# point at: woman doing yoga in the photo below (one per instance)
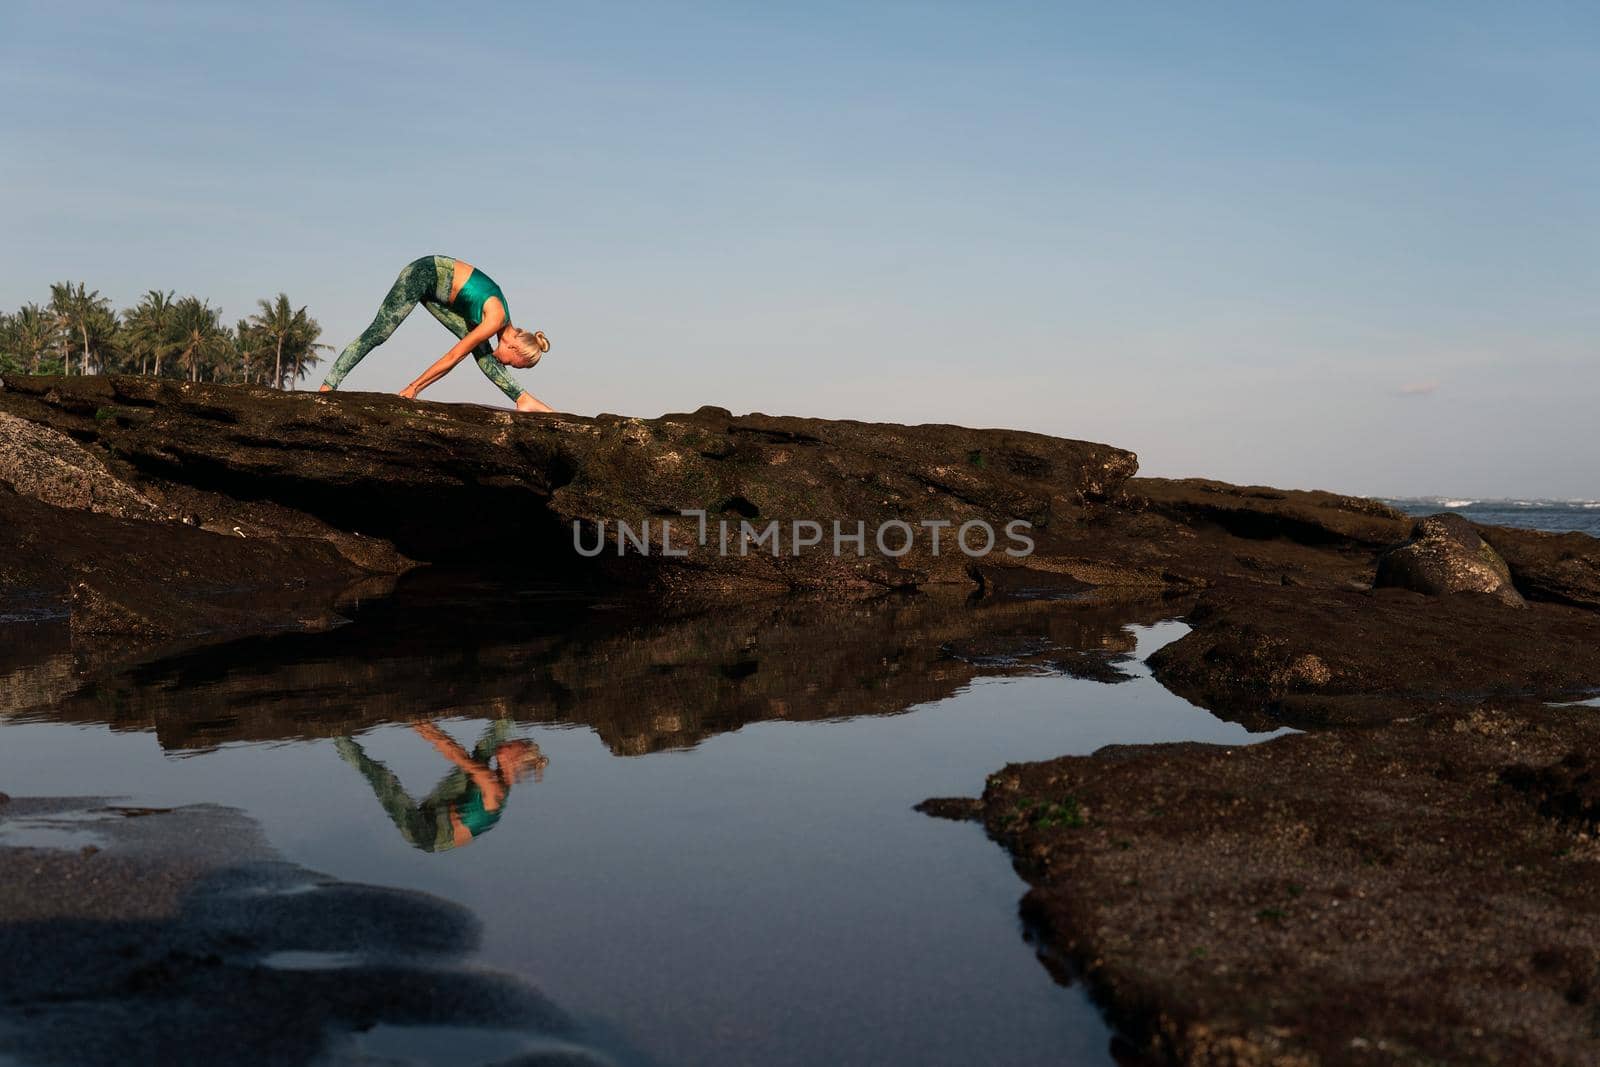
(471, 306)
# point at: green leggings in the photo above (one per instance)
(425, 824)
(425, 281)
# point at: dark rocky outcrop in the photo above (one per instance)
(1414, 893)
(386, 482)
(1260, 513)
(1562, 568)
(1446, 555)
(153, 581)
(1411, 882)
(454, 483)
(1309, 657)
(1196, 533)
(1372, 893)
(47, 465)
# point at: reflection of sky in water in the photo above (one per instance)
(55, 832)
(399, 1045)
(766, 896)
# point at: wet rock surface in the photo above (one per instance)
(1339, 656)
(1560, 568)
(1410, 882)
(176, 934)
(1424, 892)
(1446, 555)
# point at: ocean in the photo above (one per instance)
(1557, 516)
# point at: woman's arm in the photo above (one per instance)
(493, 371)
(489, 783)
(446, 745)
(480, 334)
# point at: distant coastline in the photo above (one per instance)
(1557, 516)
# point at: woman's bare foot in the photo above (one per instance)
(529, 402)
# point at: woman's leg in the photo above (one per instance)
(416, 283)
(483, 355)
(419, 824)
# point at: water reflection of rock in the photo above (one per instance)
(643, 684)
(180, 937)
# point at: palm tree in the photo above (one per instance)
(32, 333)
(276, 323)
(248, 348)
(148, 330)
(198, 334)
(228, 358)
(291, 333)
(160, 334)
(8, 348)
(305, 351)
(101, 336)
(61, 301)
(85, 315)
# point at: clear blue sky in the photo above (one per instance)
(1345, 245)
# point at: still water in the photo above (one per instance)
(705, 850)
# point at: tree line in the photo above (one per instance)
(163, 335)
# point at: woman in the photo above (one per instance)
(471, 306)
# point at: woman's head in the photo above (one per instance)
(519, 758)
(521, 348)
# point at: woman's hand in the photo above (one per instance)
(430, 731)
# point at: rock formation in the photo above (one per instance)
(1422, 892)
(1219, 900)
(1446, 555)
(173, 504)
(44, 464)
(1561, 568)
(754, 503)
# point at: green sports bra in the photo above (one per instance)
(474, 815)
(475, 292)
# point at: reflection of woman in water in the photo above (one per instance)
(468, 801)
